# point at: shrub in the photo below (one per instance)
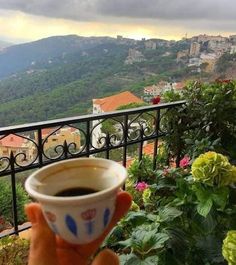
(208, 113)
(6, 201)
(14, 251)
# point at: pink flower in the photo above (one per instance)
(184, 162)
(141, 186)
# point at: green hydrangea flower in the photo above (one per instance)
(146, 195)
(213, 169)
(229, 247)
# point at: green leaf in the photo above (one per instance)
(169, 214)
(136, 218)
(132, 259)
(203, 208)
(126, 243)
(220, 197)
(145, 239)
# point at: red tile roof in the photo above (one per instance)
(179, 85)
(12, 141)
(113, 102)
(47, 131)
(148, 149)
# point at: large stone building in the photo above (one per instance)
(134, 56)
(194, 49)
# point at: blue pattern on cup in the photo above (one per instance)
(106, 217)
(71, 224)
(90, 227)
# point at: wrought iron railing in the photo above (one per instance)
(46, 142)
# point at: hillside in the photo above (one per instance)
(4, 44)
(79, 69)
(59, 76)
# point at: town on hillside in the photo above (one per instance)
(202, 55)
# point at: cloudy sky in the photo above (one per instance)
(27, 20)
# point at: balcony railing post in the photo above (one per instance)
(157, 127)
(14, 196)
(88, 138)
(125, 140)
(40, 147)
(65, 149)
(107, 139)
(140, 153)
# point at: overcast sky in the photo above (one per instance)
(26, 20)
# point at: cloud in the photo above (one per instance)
(169, 19)
(170, 10)
(84, 10)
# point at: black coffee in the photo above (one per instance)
(78, 191)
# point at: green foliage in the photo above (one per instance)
(225, 61)
(141, 170)
(208, 114)
(178, 221)
(6, 201)
(14, 251)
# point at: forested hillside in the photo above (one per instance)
(59, 76)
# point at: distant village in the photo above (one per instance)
(204, 50)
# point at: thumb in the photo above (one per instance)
(106, 257)
(42, 239)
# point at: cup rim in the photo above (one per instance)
(82, 198)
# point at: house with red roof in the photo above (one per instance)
(111, 103)
(108, 104)
(13, 143)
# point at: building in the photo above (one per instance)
(149, 92)
(134, 56)
(150, 45)
(54, 137)
(218, 47)
(232, 39)
(195, 62)
(233, 49)
(111, 103)
(194, 49)
(108, 104)
(178, 86)
(182, 55)
(205, 38)
(15, 144)
(210, 60)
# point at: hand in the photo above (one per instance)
(48, 249)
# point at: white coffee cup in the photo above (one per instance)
(78, 219)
